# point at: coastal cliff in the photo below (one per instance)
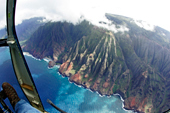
(129, 60)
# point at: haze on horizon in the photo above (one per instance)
(153, 11)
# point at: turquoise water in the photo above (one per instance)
(51, 85)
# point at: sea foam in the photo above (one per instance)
(28, 54)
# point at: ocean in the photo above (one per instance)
(51, 85)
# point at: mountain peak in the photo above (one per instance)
(119, 20)
(125, 58)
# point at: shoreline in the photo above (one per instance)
(46, 59)
(81, 86)
(28, 54)
(116, 94)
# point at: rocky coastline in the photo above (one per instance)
(119, 93)
(128, 103)
(52, 63)
(133, 63)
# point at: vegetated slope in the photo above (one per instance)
(54, 38)
(26, 28)
(131, 61)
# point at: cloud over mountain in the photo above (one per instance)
(155, 12)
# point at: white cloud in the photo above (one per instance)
(145, 25)
(152, 11)
(2, 13)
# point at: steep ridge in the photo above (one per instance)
(26, 28)
(54, 38)
(131, 61)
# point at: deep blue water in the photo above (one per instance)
(51, 85)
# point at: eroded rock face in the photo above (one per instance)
(76, 78)
(134, 63)
(140, 106)
(63, 67)
(51, 64)
(129, 71)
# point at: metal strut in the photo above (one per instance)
(57, 108)
(3, 42)
(20, 66)
(5, 107)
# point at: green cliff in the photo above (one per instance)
(130, 60)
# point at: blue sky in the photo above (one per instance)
(153, 11)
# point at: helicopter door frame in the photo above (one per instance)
(20, 66)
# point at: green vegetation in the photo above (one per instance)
(119, 53)
(115, 88)
(137, 61)
(127, 93)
